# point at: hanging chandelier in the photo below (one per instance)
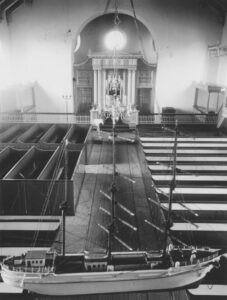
(115, 40)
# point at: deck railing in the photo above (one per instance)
(200, 260)
(25, 269)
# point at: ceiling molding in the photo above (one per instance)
(11, 9)
(7, 7)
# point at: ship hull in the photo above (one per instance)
(109, 282)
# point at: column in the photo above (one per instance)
(95, 88)
(129, 88)
(124, 88)
(133, 87)
(104, 88)
(99, 89)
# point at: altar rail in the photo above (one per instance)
(198, 118)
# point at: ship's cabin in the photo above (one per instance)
(38, 259)
(95, 262)
(31, 261)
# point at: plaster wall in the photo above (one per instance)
(41, 39)
(222, 71)
(7, 99)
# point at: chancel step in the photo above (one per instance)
(198, 212)
(186, 145)
(198, 178)
(191, 159)
(181, 139)
(196, 191)
(200, 227)
(186, 151)
(198, 206)
(192, 168)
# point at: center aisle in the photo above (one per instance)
(87, 229)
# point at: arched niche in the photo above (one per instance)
(138, 88)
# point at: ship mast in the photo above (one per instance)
(172, 186)
(115, 45)
(64, 205)
(113, 189)
(113, 186)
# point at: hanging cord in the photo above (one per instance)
(107, 6)
(117, 21)
(138, 30)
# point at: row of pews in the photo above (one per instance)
(200, 196)
(32, 181)
(41, 133)
(200, 181)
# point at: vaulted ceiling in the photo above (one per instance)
(8, 7)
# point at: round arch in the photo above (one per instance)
(112, 11)
(92, 33)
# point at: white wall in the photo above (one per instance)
(42, 37)
(5, 76)
(222, 70)
(183, 53)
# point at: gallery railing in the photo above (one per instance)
(33, 117)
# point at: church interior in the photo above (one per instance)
(147, 76)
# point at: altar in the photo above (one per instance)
(115, 85)
(125, 80)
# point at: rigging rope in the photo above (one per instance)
(49, 191)
(107, 6)
(116, 18)
(138, 30)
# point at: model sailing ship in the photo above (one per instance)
(50, 273)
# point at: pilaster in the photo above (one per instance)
(104, 88)
(99, 89)
(129, 88)
(133, 87)
(95, 89)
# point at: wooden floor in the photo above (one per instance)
(87, 229)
